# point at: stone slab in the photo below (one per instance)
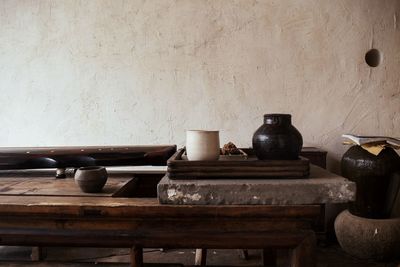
(321, 187)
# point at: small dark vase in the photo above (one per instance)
(277, 138)
(91, 179)
(372, 175)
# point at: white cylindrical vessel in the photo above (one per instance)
(202, 145)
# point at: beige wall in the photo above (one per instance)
(141, 72)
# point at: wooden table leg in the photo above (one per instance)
(38, 253)
(136, 256)
(201, 257)
(304, 254)
(269, 257)
(243, 254)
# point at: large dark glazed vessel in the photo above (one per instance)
(372, 175)
(277, 138)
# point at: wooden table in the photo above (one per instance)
(43, 211)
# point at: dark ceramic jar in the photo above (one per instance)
(372, 175)
(91, 179)
(277, 138)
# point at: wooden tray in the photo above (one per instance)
(236, 166)
(50, 186)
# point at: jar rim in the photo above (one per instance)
(203, 131)
(277, 115)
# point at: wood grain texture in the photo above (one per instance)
(38, 253)
(144, 207)
(236, 166)
(37, 219)
(200, 257)
(145, 237)
(136, 256)
(49, 186)
(269, 257)
(304, 254)
(315, 155)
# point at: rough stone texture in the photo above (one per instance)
(133, 72)
(321, 187)
(368, 238)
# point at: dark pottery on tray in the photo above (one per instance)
(91, 179)
(372, 175)
(277, 138)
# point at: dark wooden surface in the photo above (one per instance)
(76, 206)
(80, 264)
(37, 219)
(315, 155)
(200, 257)
(49, 186)
(136, 256)
(236, 166)
(136, 220)
(79, 156)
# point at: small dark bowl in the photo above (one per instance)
(91, 179)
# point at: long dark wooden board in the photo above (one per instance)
(236, 166)
(63, 157)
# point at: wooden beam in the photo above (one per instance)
(200, 257)
(269, 257)
(304, 254)
(38, 253)
(136, 256)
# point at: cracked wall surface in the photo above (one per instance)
(142, 72)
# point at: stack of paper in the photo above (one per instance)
(373, 144)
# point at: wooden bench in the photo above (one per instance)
(37, 210)
(126, 216)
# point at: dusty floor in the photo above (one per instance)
(330, 256)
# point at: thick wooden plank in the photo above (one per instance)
(38, 253)
(101, 220)
(269, 257)
(80, 264)
(62, 157)
(181, 238)
(304, 254)
(156, 225)
(243, 254)
(179, 159)
(237, 174)
(200, 257)
(216, 169)
(50, 186)
(236, 166)
(118, 185)
(161, 230)
(142, 207)
(315, 155)
(136, 256)
(127, 189)
(146, 185)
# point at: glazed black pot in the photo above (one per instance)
(277, 138)
(372, 175)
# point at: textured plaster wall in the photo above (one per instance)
(142, 72)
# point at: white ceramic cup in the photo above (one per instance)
(202, 145)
